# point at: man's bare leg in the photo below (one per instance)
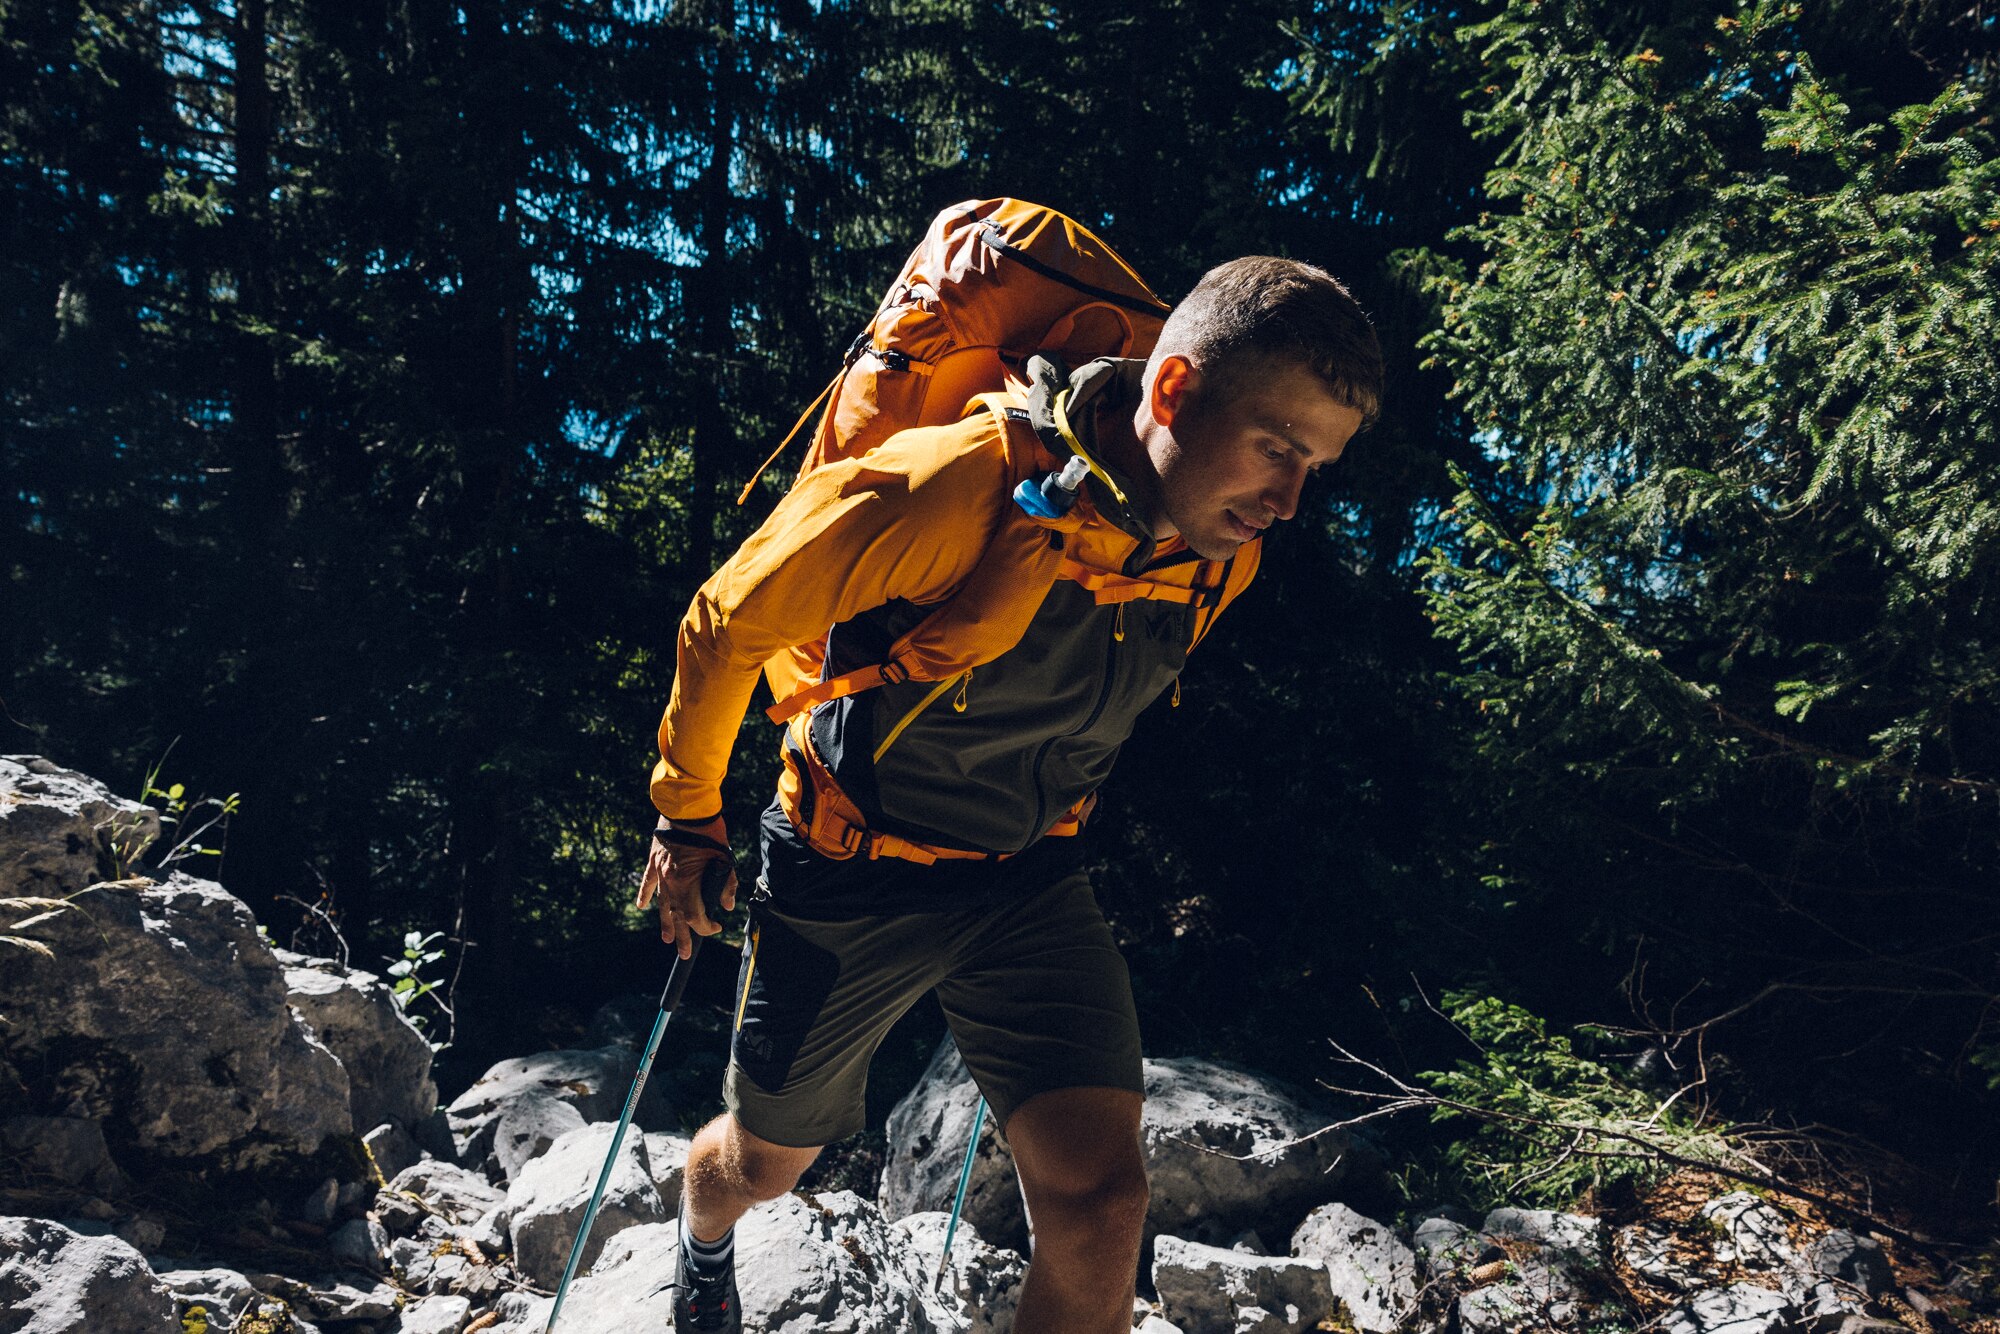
(729, 1169)
(1084, 1179)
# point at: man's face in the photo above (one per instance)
(1230, 470)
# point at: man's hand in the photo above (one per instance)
(673, 877)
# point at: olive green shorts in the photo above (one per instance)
(1035, 991)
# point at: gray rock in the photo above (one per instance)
(518, 1310)
(224, 1295)
(333, 1300)
(666, 1159)
(1854, 1260)
(433, 1315)
(61, 831)
(453, 1192)
(1225, 1150)
(1659, 1255)
(1844, 1271)
(547, 1200)
(1209, 1288)
(320, 1203)
(364, 1241)
(528, 1125)
(64, 1283)
(985, 1280)
(164, 1013)
(489, 1234)
(1571, 1234)
(927, 1132)
(60, 1151)
(1445, 1245)
(593, 1082)
(392, 1148)
(827, 1264)
(1752, 1232)
(1154, 1323)
(1533, 1296)
(388, 1061)
(1742, 1308)
(142, 1234)
(1374, 1275)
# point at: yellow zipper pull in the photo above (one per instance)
(1118, 624)
(958, 701)
(1177, 693)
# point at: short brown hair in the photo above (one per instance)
(1261, 307)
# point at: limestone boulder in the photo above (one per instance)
(433, 1315)
(60, 1151)
(1576, 1235)
(666, 1159)
(1532, 1295)
(547, 1200)
(1445, 1246)
(355, 1016)
(61, 831)
(820, 1264)
(1372, 1270)
(528, 1125)
(1210, 1288)
(1742, 1308)
(56, 1281)
(223, 1295)
(984, 1280)
(1225, 1150)
(927, 1136)
(1751, 1234)
(594, 1083)
(445, 1190)
(163, 1016)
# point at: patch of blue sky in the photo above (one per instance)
(592, 431)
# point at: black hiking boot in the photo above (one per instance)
(705, 1302)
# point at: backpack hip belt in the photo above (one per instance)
(833, 827)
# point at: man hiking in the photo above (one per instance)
(915, 843)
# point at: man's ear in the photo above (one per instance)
(1172, 384)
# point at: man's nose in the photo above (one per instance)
(1283, 497)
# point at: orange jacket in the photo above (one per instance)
(906, 523)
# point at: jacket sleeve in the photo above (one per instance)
(908, 519)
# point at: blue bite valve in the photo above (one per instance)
(1053, 495)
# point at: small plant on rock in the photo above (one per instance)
(412, 985)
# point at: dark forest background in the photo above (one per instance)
(377, 377)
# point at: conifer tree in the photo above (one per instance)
(1725, 599)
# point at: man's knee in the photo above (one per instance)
(1106, 1207)
(726, 1154)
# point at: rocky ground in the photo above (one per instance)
(199, 1132)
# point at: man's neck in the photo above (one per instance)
(1123, 441)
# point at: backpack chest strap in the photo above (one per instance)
(1109, 587)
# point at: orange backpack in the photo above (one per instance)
(995, 283)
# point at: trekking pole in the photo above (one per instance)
(713, 877)
(958, 1201)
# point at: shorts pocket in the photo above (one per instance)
(782, 986)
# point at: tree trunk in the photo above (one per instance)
(710, 298)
